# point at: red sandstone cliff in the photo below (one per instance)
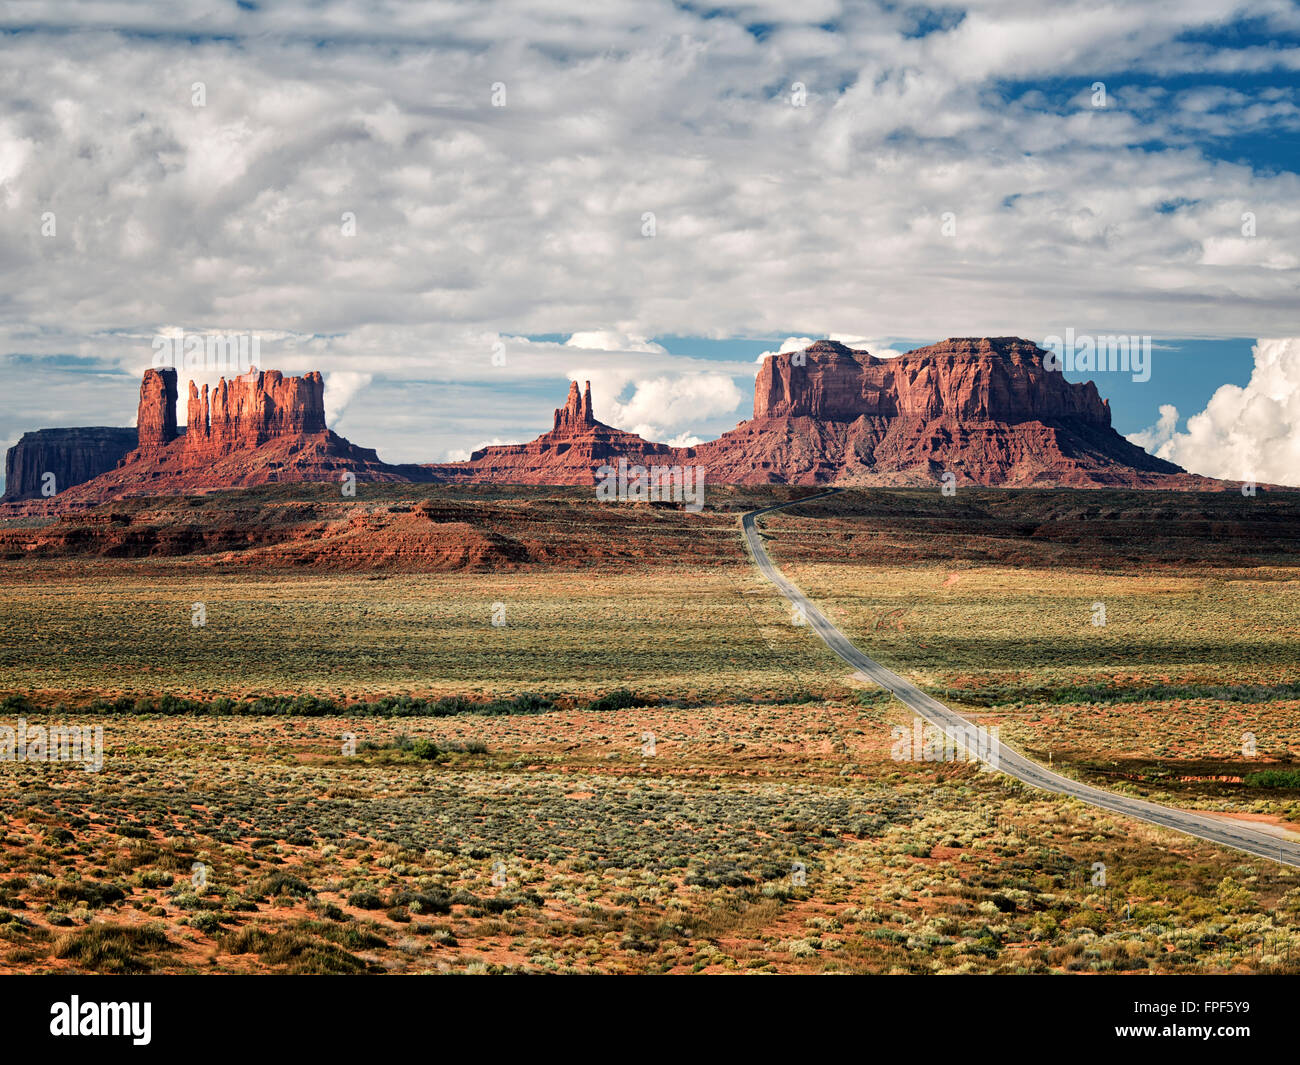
(983, 408)
(258, 428)
(575, 416)
(570, 453)
(73, 456)
(984, 379)
(156, 415)
(251, 409)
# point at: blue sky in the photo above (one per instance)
(650, 194)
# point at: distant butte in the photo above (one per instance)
(982, 408)
(258, 428)
(570, 453)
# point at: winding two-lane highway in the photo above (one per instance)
(1002, 757)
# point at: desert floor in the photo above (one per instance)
(696, 783)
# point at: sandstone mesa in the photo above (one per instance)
(983, 409)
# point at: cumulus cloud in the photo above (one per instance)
(658, 407)
(609, 340)
(528, 218)
(879, 348)
(348, 186)
(1157, 436)
(340, 387)
(789, 344)
(1250, 433)
(462, 454)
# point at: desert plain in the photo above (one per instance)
(437, 729)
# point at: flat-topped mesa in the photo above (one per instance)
(986, 409)
(1001, 379)
(824, 380)
(972, 379)
(575, 416)
(156, 415)
(253, 408)
(72, 456)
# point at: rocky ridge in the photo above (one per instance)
(984, 410)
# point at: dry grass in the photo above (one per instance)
(564, 847)
(757, 837)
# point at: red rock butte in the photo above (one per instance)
(258, 428)
(986, 410)
(570, 453)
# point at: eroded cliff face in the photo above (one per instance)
(972, 379)
(983, 408)
(251, 409)
(575, 416)
(999, 379)
(258, 428)
(73, 456)
(156, 415)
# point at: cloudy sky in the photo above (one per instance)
(452, 208)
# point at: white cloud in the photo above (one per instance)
(1156, 436)
(787, 345)
(658, 406)
(665, 403)
(877, 348)
(526, 219)
(340, 387)
(609, 340)
(462, 454)
(477, 223)
(1250, 433)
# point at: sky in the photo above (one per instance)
(452, 209)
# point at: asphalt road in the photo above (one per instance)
(999, 755)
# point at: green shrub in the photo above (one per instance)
(90, 892)
(618, 699)
(297, 706)
(112, 948)
(365, 900)
(1274, 778)
(425, 749)
(296, 949)
(423, 902)
(280, 883)
(352, 936)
